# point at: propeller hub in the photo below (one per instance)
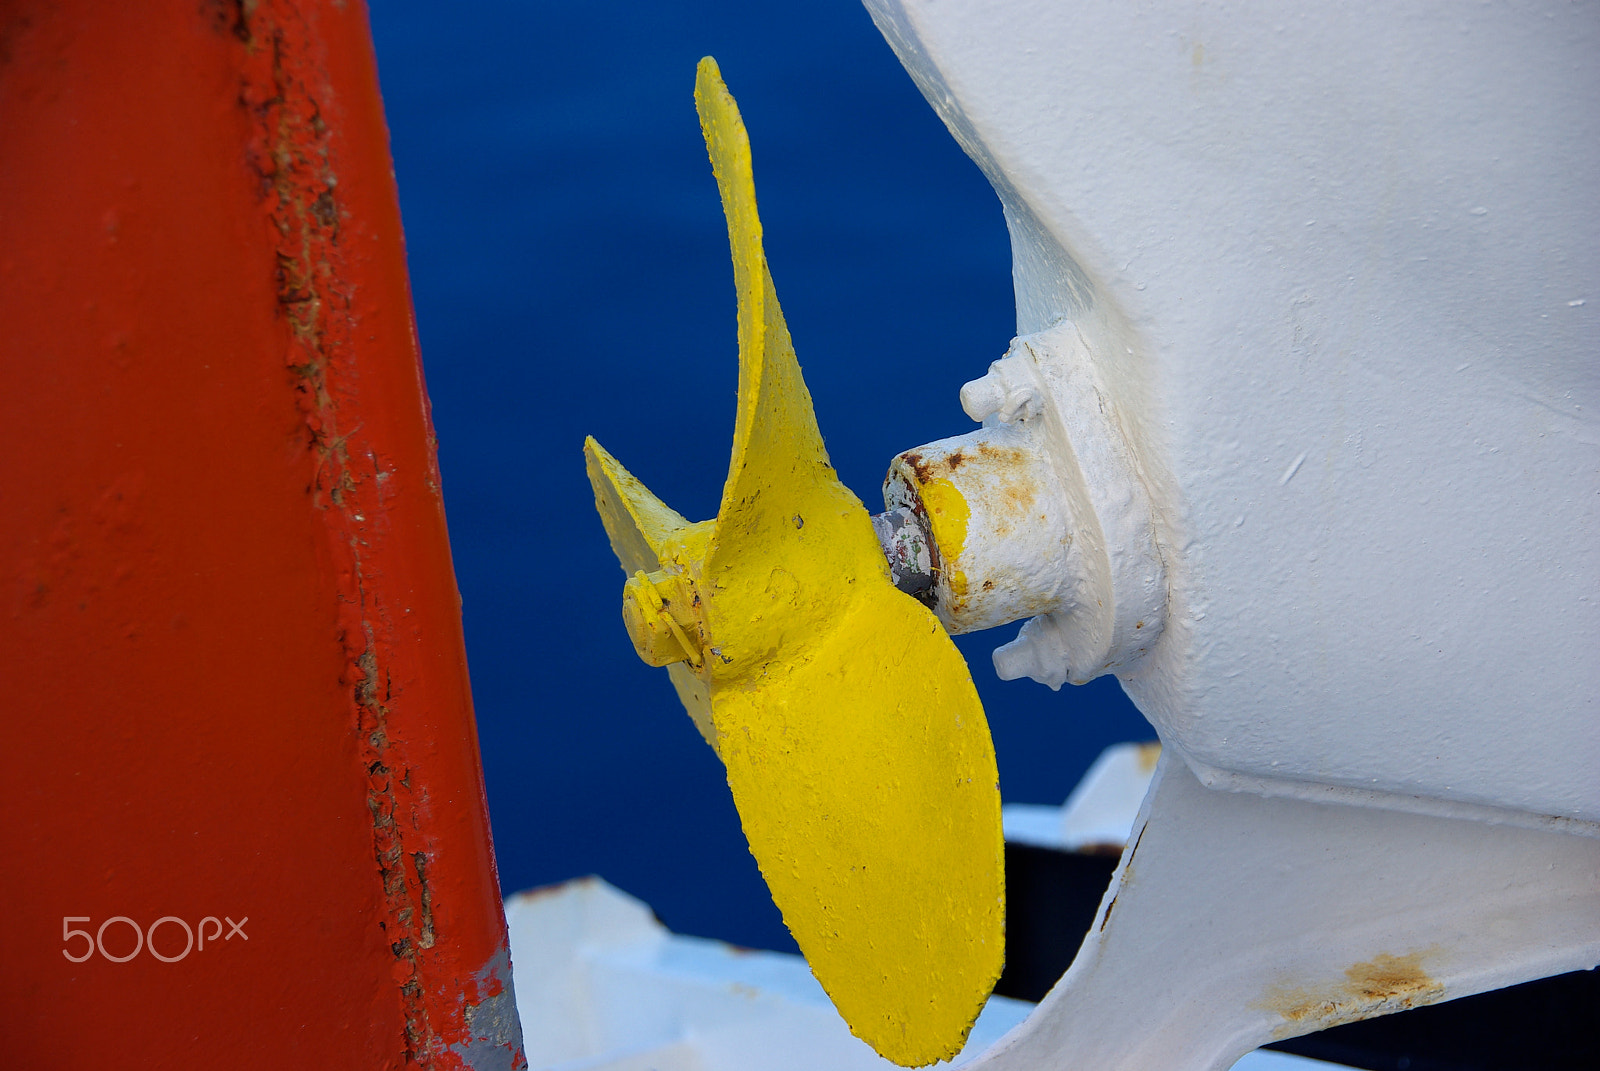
(1047, 512)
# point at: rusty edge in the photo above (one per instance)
(282, 84)
(1383, 985)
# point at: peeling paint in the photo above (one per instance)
(282, 91)
(1123, 880)
(909, 550)
(291, 101)
(494, 1031)
(292, 157)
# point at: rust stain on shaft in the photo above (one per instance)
(1384, 984)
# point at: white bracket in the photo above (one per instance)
(1235, 920)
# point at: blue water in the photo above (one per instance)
(570, 268)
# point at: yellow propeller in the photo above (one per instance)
(853, 739)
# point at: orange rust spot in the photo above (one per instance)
(988, 585)
(918, 463)
(1008, 455)
(1387, 977)
(936, 467)
(1378, 986)
(1017, 497)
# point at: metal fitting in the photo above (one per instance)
(998, 535)
(658, 611)
(1043, 513)
(1008, 392)
(908, 546)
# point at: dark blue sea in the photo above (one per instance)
(570, 268)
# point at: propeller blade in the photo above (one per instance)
(854, 742)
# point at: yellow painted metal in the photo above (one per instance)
(948, 514)
(647, 536)
(657, 610)
(854, 741)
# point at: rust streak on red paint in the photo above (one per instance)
(287, 92)
(284, 89)
(222, 498)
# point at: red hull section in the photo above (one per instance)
(232, 678)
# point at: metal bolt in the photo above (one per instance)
(657, 610)
(1007, 391)
(1036, 653)
(982, 398)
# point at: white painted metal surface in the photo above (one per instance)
(1337, 272)
(1235, 919)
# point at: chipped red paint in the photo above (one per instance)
(231, 660)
